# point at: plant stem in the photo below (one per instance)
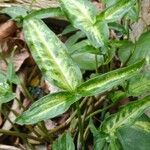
(15, 133)
(98, 111)
(80, 125)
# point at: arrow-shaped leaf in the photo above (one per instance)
(126, 116)
(82, 14)
(116, 11)
(108, 80)
(51, 55)
(47, 107)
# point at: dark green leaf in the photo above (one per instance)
(142, 48)
(136, 137)
(64, 142)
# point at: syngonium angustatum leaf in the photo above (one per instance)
(82, 15)
(108, 80)
(46, 13)
(116, 11)
(47, 107)
(51, 55)
(126, 116)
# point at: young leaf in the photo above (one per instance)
(126, 116)
(116, 11)
(6, 94)
(51, 55)
(47, 107)
(74, 38)
(82, 14)
(46, 13)
(64, 142)
(108, 80)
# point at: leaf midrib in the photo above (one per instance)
(50, 54)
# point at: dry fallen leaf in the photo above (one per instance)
(7, 29)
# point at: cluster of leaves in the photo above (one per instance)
(89, 48)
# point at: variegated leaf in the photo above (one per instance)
(46, 13)
(82, 14)
(116, 11)
(108, 80)
(126, 116)
(47, 107)
(51, 55)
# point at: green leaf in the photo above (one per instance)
(126, 116)
(6, 94)
(136, 137)
(73, 39)
(64, 142)
(116, 11)
(47, 107)
(125, 51)
(83, 47)
(87, 61)
(46, 13)
(139, 85)
(142, 48)
(99, 138)
(68, 29)
(108, 80)
(117, 27)
(51, 55)
(14, 11)
(82, 14)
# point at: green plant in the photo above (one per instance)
(88, 49)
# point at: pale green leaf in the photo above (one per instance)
(116, 11)
(108, 80)
(14, 11)
(82, 14)
(51, 55)
(126, 116)
(47, 107)
(64, 142)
